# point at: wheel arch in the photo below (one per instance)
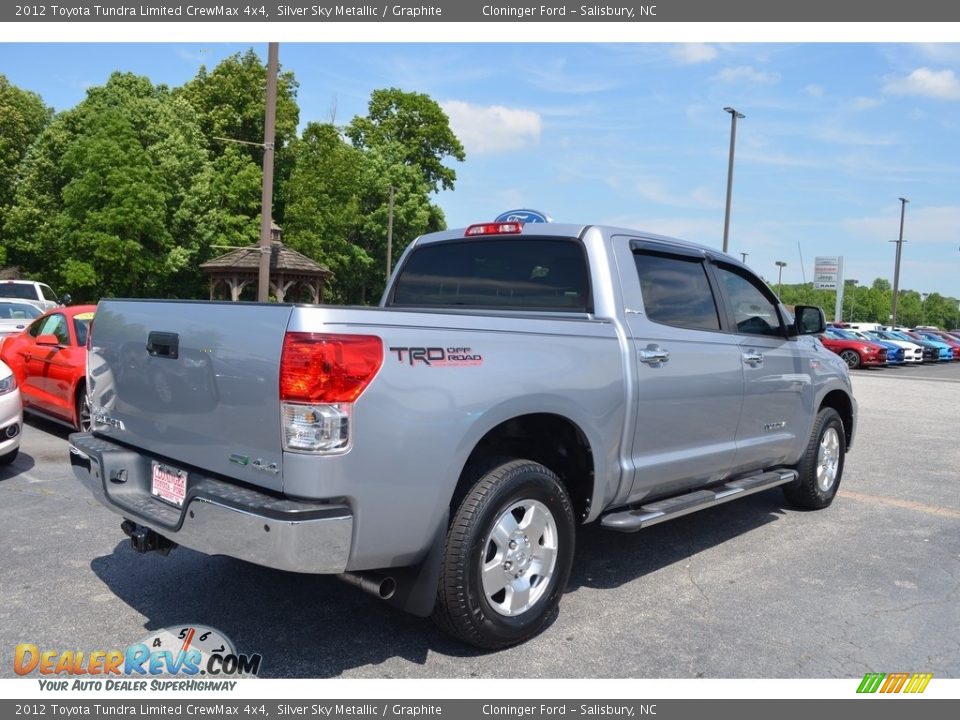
(555, 441)
(844, 405)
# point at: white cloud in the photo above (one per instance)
(693, 53)
(864, 103)
(814, 90)
(939, 84)
(924, 226)
(491, 129)
(746, 73)
(654, 190)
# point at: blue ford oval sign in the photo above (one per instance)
(523, 215)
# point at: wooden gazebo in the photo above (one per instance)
(288, 268)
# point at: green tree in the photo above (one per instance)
(23, 116)
(230, 102)
(410, 129)
(337, 208)
(99, 207)
(323, 208)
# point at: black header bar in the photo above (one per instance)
(617, 11)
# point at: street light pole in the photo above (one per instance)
(734, 116)
(743, 257)
(781, 265)
(896, 266)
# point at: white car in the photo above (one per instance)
(15, 315)
(912, 352)
(11, 415)
(36, 293)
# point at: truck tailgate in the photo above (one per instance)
(193, 381)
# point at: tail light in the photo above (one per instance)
(321, 376)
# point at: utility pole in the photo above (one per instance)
(390, 235)
(266, 197)
(896, 266)
(734, 116)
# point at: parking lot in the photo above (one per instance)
(751, 589)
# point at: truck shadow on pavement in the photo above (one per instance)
(309, 626)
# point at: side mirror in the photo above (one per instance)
(48, 340)
(66, 299)
(809, 320)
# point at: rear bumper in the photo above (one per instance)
(217, 517)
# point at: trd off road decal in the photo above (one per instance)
(438, 356)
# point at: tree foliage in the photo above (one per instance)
(230, 102)
(411, 129)
(97, 210)
(127, 193)
(874, 304)
(23, 116)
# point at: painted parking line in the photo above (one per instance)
(938, 510)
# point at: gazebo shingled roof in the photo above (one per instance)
(288, 267)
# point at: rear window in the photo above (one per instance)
(543, 274)
(24, 291)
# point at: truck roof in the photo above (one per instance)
(554, 229)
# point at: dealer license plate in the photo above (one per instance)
(169, 484)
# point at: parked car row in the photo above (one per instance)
(871, 345)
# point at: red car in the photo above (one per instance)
(855, 353)
(49, 359)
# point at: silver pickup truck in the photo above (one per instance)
(440, 450)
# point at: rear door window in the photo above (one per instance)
(542, 274)
(676, 290)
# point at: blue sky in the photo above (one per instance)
(635, 134)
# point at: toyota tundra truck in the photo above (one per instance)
(517, 380)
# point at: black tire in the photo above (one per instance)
(9, 457)
(821, 467)
(492, 528)
(851, 358)
(84, 422)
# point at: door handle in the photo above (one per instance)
(753, 358)
(653, 355)
(163, 345)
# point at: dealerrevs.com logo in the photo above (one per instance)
(185, 657)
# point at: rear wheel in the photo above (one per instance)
(507, 556)
(851, 358)
(821, 467)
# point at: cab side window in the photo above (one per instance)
(676, 290)
(755, 313)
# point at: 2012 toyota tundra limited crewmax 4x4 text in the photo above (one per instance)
(440, 450)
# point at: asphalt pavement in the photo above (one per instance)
(753, 589)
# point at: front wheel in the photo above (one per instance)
(851, 358)
(821, 466)
(507, 556)
(84, 422)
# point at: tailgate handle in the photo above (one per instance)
(163, 345)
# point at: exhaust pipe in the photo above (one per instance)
(382, 586)
(144, 540)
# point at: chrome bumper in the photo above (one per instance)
(217, 518)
